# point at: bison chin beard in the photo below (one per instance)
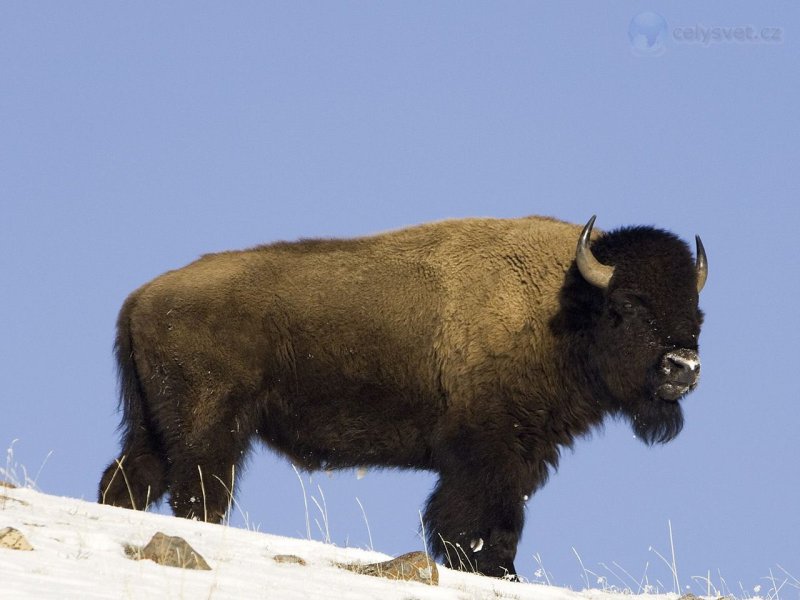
(656, 421)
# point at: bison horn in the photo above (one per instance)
(701, 265)
(591, 269)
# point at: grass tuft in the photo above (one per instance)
(16, 474)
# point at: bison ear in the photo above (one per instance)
(701, 264)
(592, 270)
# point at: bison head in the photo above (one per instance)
(644, 323)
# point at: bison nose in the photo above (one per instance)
(681, 367)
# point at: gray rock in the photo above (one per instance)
(172, 551)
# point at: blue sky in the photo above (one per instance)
(134, 138)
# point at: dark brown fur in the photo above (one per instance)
(472, 348)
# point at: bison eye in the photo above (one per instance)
(629, 309)
(627, 303)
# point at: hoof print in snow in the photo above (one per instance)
(171, 551)
(414, 566)
(13, 540)
(289, 558)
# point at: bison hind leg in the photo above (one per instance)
(204, 472)
(133, 481)
(202, 488)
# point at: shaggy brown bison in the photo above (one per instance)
(474, 348)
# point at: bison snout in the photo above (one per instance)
(680, 370)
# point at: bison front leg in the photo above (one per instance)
(473, 527)
(474, 518)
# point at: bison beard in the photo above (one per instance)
(474, 348)
(657, 421)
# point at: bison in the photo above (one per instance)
(473, 348)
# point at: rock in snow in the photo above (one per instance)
(13, 540)
(289, 559)
(414, 566)
(168, 550)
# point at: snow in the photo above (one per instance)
(78, 553)
(689, 359)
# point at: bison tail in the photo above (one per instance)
(137, 477)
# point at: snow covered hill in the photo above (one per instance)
(78, 552)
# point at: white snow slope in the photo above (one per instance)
(78, 553)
